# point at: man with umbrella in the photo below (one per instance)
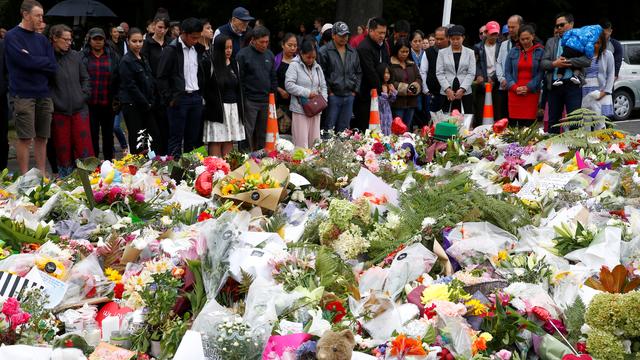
(30, 63)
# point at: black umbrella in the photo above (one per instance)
(81, 8)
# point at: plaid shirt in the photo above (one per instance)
(100, 73)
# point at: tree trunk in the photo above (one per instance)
(357, 12)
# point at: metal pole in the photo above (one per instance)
(446, 12)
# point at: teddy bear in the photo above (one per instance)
(335, 346)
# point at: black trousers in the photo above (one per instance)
(101, 118)
(361, 110)
(4, 131)
(139, 118)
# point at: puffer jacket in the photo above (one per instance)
(300, 81)
(342, 78)
(70, 87)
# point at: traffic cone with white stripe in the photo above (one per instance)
(374, 112)
(487, 113)
(272, 125)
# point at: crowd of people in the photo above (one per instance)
(178, 86)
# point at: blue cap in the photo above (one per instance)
(241, 14)
(505, 29)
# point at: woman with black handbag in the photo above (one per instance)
(306, 84)
(223, 99)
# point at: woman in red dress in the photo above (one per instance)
(524, 77)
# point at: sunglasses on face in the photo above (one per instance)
(561, 25)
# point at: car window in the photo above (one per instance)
(632, 55)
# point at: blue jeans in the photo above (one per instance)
(568, 95)
(117, 129)
(339, 112)
(405, 114)
(185, 124)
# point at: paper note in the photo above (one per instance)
(53, 287)
(538, 187)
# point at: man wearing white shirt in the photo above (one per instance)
(180, 79)
(513, 24)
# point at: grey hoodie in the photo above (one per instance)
(70, 87)
(300, 81)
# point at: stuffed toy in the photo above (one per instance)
(335, 346)
(67, 354)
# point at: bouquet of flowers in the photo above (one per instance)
(260, 185)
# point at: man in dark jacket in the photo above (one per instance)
(614, 45)
(372, 52)
(180, 79)
(236, 28)
(567, 95)
(258, 80)
(70, 90)
(4, 112)
(102, 64)
(486, 64)
(432, 83)
(341, 67)
(152, 50)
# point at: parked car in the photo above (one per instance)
(626, 90)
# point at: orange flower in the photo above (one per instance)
(402, 346)
(510, 188)
(263, 186)
(479, 344)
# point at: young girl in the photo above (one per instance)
(387, 96)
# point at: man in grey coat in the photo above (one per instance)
(341, 66)
(568, 94)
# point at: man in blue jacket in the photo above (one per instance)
(30, 62)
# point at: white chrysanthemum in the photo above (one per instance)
(428, 221)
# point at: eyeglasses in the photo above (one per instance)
(66, 40)
(561, 25)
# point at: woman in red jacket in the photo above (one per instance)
(524, 77)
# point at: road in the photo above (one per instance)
(631, 126)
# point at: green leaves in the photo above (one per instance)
(569, 239)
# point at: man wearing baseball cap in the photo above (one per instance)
(236, 28)
(486, 59)
(341, 67)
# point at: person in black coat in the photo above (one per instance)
(137, 94)
(224, 109)
(372, 51)
(180, 90)
(4, 112)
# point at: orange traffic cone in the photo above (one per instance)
(374, 112)
(272, 125)
(487, 114)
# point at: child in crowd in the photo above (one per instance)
(387, 96)
(576, 43)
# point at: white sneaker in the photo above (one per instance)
(558, 83)
(574, 79)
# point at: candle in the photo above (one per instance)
(109, 324)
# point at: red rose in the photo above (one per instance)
(118, 290)
(582, 347)
(204, 216)
(377, 148)
(204, 184)
(398, 127)
(337, 309)
(541, 313)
